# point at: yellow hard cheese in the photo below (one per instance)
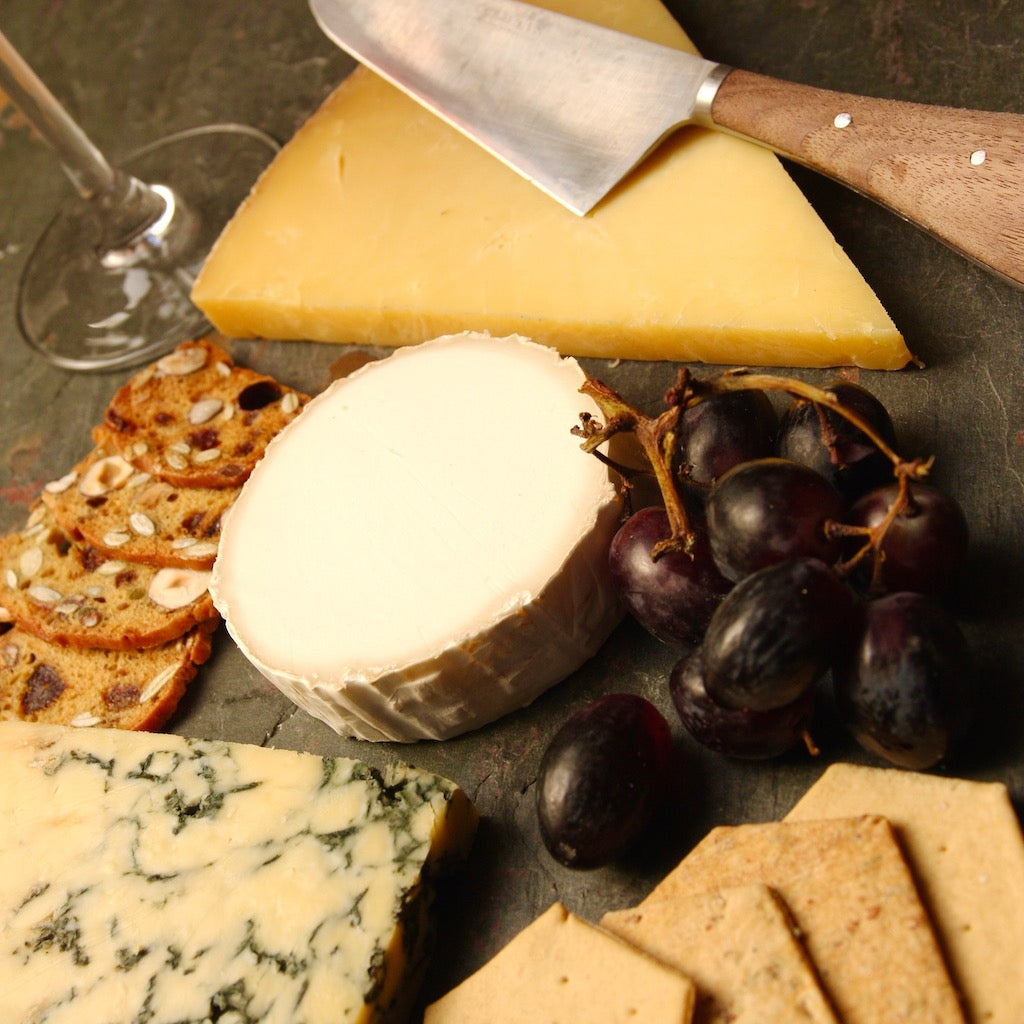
(380, 224)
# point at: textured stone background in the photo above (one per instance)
(131, 71)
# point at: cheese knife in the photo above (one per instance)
(574, 107)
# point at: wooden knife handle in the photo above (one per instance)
(959, 174)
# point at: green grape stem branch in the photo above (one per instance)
(657, 437)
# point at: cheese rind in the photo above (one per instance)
(153, 878)
(425, 548)
(378, 223)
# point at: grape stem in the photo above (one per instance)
(873, 536)
(743, 380)
(812, 748)
(656, 436)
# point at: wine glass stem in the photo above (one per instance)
(126, 207)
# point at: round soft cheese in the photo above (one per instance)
(424, 549)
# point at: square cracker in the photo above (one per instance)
(964, 844)
(560, 969)
(739, 947)
(854, 901)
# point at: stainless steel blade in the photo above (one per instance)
(571, 106)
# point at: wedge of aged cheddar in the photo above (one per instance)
(964, 844)
(425, 548)
(380, 224)
(854, 901)
(560, 969)
(150, 877)
(739, 947)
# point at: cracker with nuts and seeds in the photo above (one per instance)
(87, 686)
(196, 419)
(964, 844)
(75, 595)
(107, 504)
(853, 898)
(739, 947)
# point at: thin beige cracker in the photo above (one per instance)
(853, 898)
(738, 946)
(560, 970)
(965, 847)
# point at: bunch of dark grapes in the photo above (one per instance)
(789, 548)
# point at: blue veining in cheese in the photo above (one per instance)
(151, 879)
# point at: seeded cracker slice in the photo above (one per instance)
(965, 847)
(851, 895)
(87, 686)
(74, 595)
(107, 504)
(195, 418)
(739, 947)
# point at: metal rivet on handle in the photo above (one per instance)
(843, 120)
(978, 157)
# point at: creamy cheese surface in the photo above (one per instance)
(424, 548)
(151, 878)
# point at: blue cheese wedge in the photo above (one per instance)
(154, 879)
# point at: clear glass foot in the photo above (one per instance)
(97, 293)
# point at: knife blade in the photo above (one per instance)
(574, 107)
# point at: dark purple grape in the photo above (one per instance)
(673, 596)
(770, 510)
(740, 733)
(774, 635)
(815, 436)
(601, 779)
(905, 690)
(723, 431)
(925, 546)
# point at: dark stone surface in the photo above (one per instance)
(131, 71)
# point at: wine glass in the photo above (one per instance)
(107, 284)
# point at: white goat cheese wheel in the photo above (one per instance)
(424, 548)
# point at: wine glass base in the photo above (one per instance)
(83, 309)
